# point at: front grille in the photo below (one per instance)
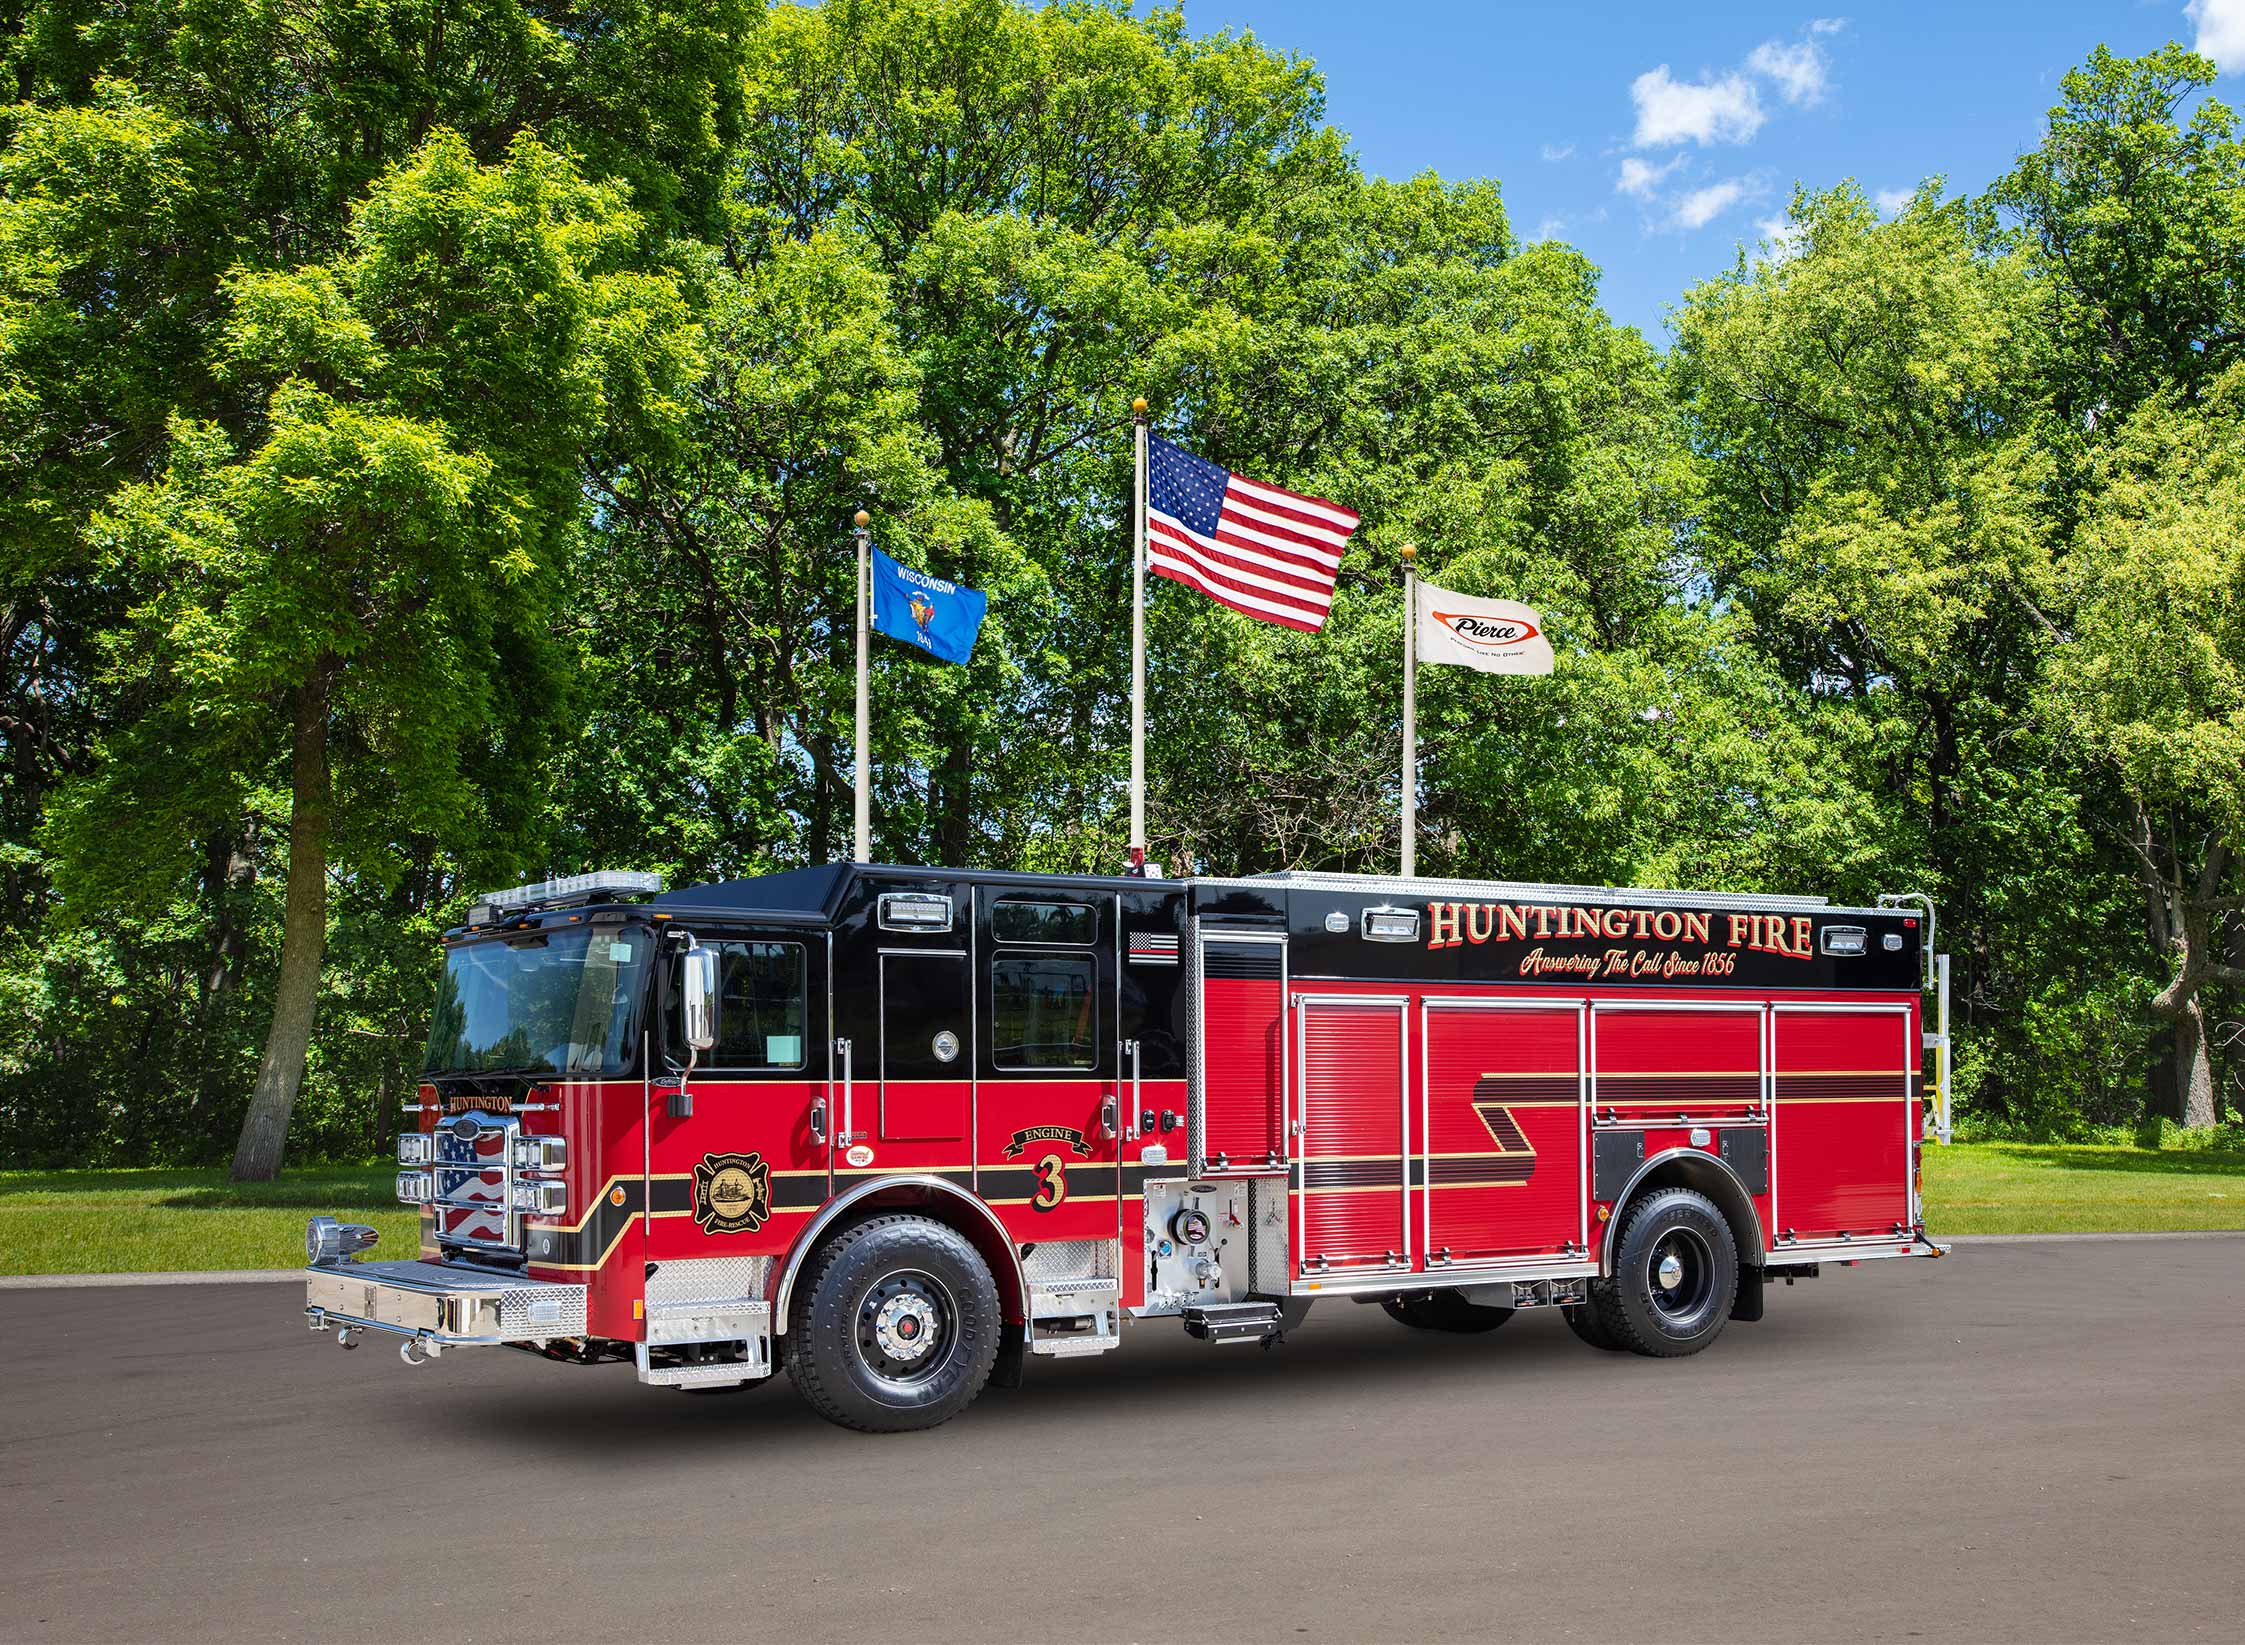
(475, 1184)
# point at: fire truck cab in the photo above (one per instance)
(904, 1130)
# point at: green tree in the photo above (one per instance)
(2133, 224)
(364, 575)
(156, 155)
(1871, 429)
(2152, 679)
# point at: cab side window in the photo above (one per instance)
(761, 991)
(1043, 1012)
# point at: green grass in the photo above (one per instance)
(94, 1222)
(2044, 1188)
(106, 1222)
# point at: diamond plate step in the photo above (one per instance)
(701, 1376)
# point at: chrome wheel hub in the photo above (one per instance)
(905, 1326)
(1680, 1280)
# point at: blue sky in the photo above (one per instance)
(1657, 137)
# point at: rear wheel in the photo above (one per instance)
(897, 1326)
(1583, 1319)
(1444, 1311)
(1675, 1276)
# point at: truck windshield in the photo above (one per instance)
(548, 1002)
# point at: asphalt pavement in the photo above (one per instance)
(2028, 1442)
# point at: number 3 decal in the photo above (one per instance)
(1052, 1182)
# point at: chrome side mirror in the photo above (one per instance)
(700, 985)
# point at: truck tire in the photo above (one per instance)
(895, 1326)
(1584, 1320)
(1444, 1311)
(1675, 1276)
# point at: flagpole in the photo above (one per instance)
(1410, 713)
(864, 782)
(1138, 642)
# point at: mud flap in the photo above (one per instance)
(1012, 1360)
(1748, 1306)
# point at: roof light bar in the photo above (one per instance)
(613, 882)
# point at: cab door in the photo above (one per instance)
(1049, 1086)
(737, 1157)
(926, 1082)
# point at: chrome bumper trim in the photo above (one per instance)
(442, 1305)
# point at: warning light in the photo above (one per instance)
(615, 1196)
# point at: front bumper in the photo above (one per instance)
(440, 1305)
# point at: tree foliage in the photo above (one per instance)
(428, 434)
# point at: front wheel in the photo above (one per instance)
(1444, 1311)
(897, 1327)
(1675, 1276)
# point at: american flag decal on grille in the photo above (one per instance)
(1153, 948)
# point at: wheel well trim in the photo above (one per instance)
(836, 1208)
(1699, 1159)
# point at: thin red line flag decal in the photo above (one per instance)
(1257, 548)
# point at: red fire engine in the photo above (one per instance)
(902, 1129)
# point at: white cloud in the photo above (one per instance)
(1797, 69)
(1892, 200)
(1698, 207)
(1784, 237)
(1641, 177)
(1559, 151)
(1826, 25)
(1670, 111)
(2221, 32)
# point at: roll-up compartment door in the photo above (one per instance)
(1841, 1135)
(1501, 1150)
(1350, 1195)
(1240, 1105)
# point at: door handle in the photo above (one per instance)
(1110, 1119)
(818, 1121)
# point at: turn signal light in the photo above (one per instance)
(416, 1187)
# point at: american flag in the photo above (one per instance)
(1257, 548)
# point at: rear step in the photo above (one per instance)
(1232, 1321)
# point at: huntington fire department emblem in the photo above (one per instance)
(732, 1193)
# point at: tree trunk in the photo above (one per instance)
(2194, 1067)
(303, 942)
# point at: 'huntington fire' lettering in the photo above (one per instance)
(1454, 924)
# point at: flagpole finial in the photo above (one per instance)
(861, 519)
(1138, 409)
(1408, 552)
